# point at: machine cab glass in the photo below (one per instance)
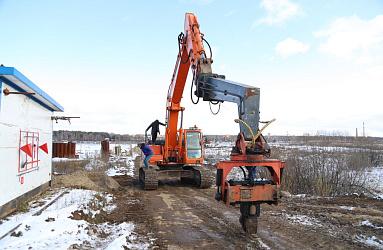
(193, 145)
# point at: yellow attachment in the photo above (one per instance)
(254, 137)
(249, 128)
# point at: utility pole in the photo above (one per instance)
(364, 132)
(356, 132)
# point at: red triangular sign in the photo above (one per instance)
(27, 149)
(44, 148)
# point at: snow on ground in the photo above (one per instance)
(127, 239)
(57, 228)
(309, 148)
(121, 165)
(117, 165)
(56, 159)
(263, 245)
(223, 144)
(109, 206)
(96, 164)
(87, 150)
(302, 219)
(371, 241)
(300, 195)
(375, 180)
(347, 208)
(11, 222)
(367, 223)
(217, 151)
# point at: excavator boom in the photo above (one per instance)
(191, 51)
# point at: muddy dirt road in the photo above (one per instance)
(180, 217)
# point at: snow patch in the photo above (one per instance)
(53, 228)
(123, 165)
(57, 228)
(347, 208)
(367, 223)
(375, 181)
(95, 164)
(126, 238)
(56, 159)
(300, 195)
(88, 150)
(303, 220)
(371, 241)
(263, 245)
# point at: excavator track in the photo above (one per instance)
(148, 178)
(201, 178)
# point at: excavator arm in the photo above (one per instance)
(215, 88)
(191, 55)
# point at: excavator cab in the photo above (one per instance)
(184, 164)
(193, 146)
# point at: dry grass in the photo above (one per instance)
(67, 167)
(326, 172)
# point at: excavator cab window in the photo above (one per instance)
(193, 145)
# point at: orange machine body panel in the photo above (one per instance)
(157, 154)
(269, 193)
(261, 193)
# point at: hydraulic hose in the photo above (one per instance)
(249, 128)
(255, 137)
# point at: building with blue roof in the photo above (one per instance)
(25, 138)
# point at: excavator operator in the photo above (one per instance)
(155, 129)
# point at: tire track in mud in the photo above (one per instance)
(184, 217)
(220, 227)
(219, 222)
(229, 216)
(193, 223)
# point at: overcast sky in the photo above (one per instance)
(319, 64)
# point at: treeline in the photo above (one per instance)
(330, 141)
(309, 140)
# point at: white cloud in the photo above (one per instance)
(278, 11)
(354, 38)
(290, 46)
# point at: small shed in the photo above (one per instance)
(25, 138)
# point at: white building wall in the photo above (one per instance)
(21, 113)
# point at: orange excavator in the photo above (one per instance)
(181, 153)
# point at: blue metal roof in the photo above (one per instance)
(18, 81)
